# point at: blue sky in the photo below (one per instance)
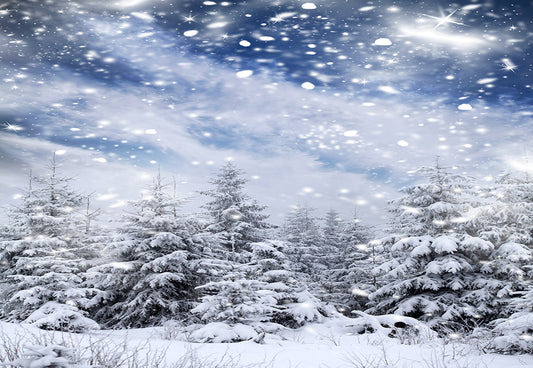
(333, 103)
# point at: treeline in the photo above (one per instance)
(458, 257)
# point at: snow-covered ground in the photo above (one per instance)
(331, 344)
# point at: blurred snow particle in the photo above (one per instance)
(150, 131)
(486, 80)
(402, 143)
(382, 42)
(366, 8)
(143, 16)
(308, 85)
(350, 133)
(245, 43)
(359, 292)
(190, 33)
(60, 152)
(217, 25)
(465, 107)
(309, 6)
(388, 89)
(100, 159)
(244, 73)
(266, 38)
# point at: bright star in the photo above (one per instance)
(190, 18)
(508, 65)
(444, 19)
(12, 127)
(276, 19)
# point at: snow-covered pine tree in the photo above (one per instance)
(504, 216)
(437, 271)
(511, 225)
(237, 219)
(294, 304)
(333, 258)
(262, 293)
(303, 234)
(361, 256)
(43, 264)
(153, 275)
(435, 207)
(238, 292)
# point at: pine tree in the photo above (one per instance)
(303, 234)
(261, 291)
(441, 268)
(433, 208)
(294, 303)
(237, 220)
(360, 257)
(155, 270)
(42, 261)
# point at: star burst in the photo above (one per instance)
(444, 19)
(13, 127)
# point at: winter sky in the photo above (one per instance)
(329, 103)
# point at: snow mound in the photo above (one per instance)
(394, 326)
(220, 332)
(61, 317)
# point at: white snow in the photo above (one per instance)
(308, 85)
(382, 42)
(143, 16)
(150, 131)
(388, 89)
(464, 107)
(217, 25)
(190, 33)
(308, 6)
(486, 80)
(339, 343)
(245, 43)
(445, 244)
(402, 143)
(244, 73)
(351, 133)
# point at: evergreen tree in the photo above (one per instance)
(441, 268)
(303, 234)
(237, 220)
(156, 265)
(433, 208)
(361, 256)
(41, 258)
(261, 291)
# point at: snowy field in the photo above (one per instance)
(331, 344)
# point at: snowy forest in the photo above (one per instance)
(266, 184)
(455, 258)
